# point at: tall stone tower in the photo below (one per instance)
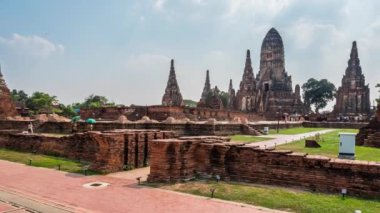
(206, 91)
(246, 95)
(231, 96)
(210, 97)
(7, 107)
(352, 97)
(172, 96)
(272, 75)
(274, 86)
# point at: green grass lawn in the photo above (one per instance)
(294, 131)
(277, 198)
(43, 161)
(248, 138)
(330, 147)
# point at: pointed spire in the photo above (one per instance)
(172, 70)
(248, 61)
(207, 87)
(207, 78)
(230, 86)
(354, 62)
(172, 96)
(354, 51)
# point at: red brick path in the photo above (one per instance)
(122, 195)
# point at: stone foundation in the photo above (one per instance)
(161, 113)
(181, 129)
(177, 160)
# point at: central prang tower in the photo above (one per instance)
(274, 86)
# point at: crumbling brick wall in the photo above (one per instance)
(176, 160)
(104, 151)
(107, 152)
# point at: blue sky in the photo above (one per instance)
(122, 48)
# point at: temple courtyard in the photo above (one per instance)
(27, 188)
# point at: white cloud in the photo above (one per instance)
(147, 61)
(159, 5)
(30, 46)
(257, 7)
(307, 33)
(198, 1)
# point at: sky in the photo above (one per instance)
(122, 49)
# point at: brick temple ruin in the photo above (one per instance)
(352, 98)
(370, 134)
(172, 96)
(183, 159)
(7, 106)
(270, 93)
(107, 151)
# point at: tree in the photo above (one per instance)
(96, 101)
(224, 96)
(190, 103)
(19, 96)
(67, 110)
(40, 101)
(318, 93)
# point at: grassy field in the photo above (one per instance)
(43, 161)
(294, 131)
(330, 147)
(248, 138)
(277, 198)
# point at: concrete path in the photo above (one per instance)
(64, 190)
(283, 139)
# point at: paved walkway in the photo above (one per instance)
(283, 139)
(64, 192)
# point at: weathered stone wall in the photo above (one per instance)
(161, 113)
(108, 151)
(7, 107)
(180, 128)
(104, 151)
(13, 124)
(335, 125)
(369, 135)
(175, 160)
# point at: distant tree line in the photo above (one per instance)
(40, 103)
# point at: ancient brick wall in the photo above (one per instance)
(369, 135)
(104, 151)
(176, 160)
(161, 113)
(180, 128)
(107, 152)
